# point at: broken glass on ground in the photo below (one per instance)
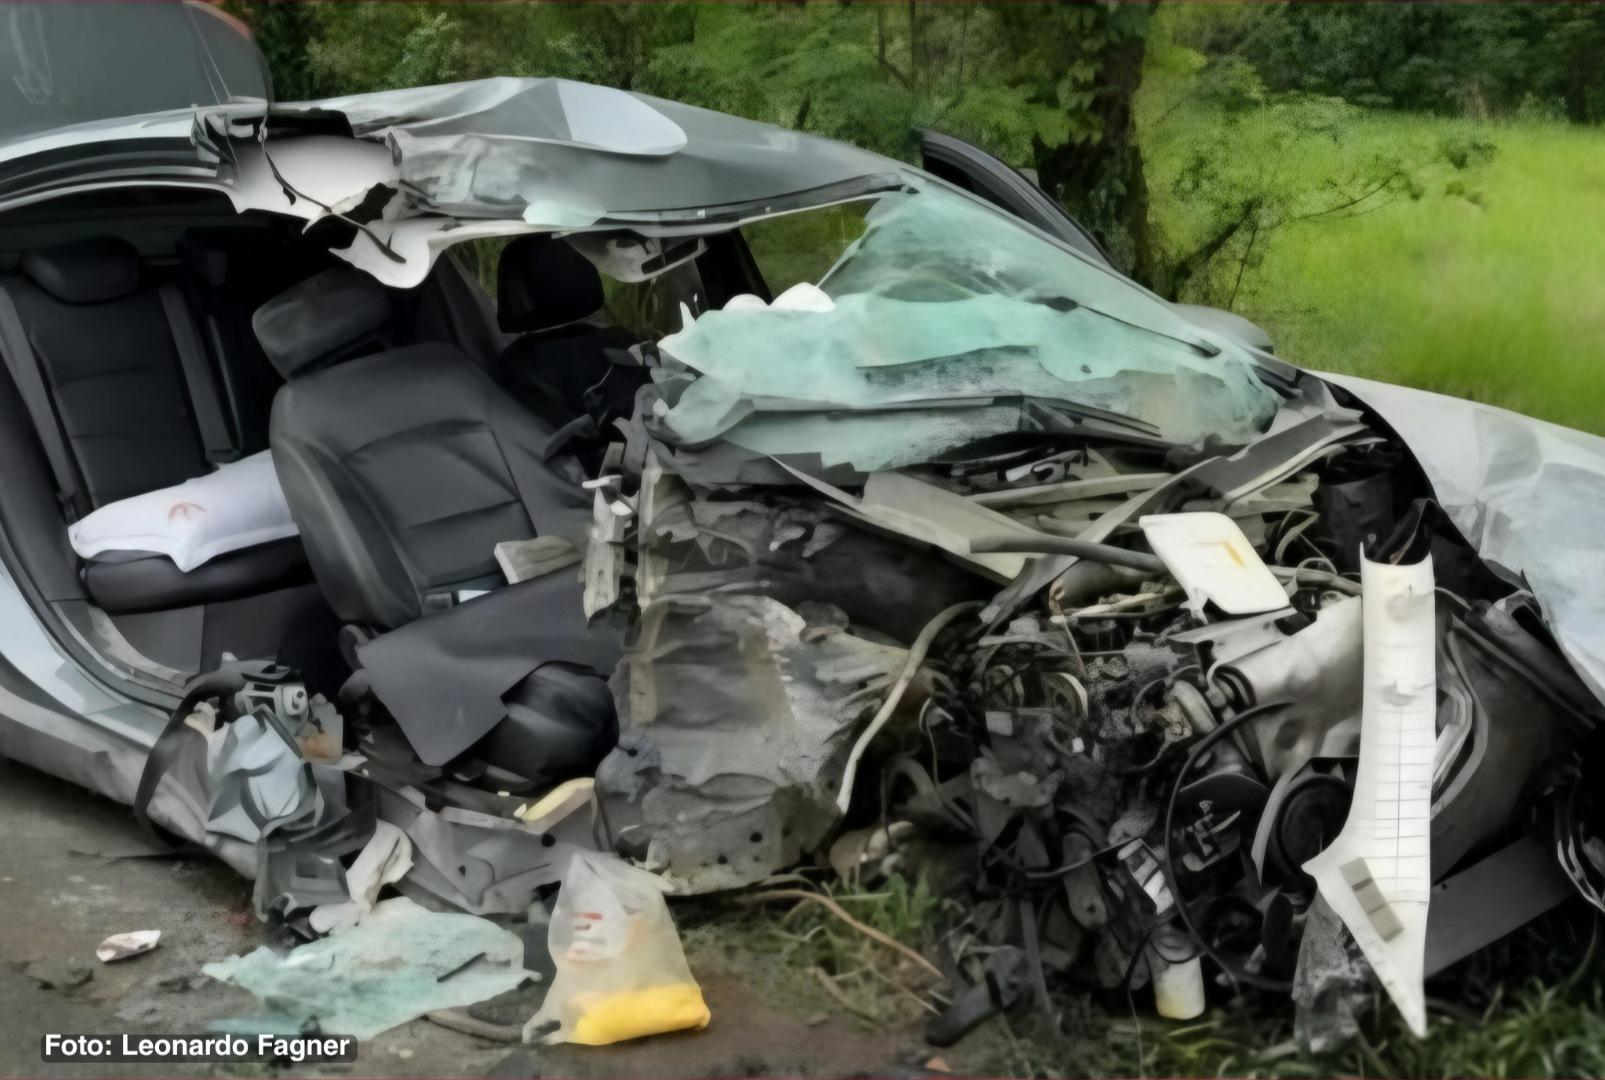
(400, 962)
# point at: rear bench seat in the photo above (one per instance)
(129, 415)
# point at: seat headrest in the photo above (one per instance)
(329, 317)
(542, 283)
(89, 271)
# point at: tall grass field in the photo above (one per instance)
(1484, 281)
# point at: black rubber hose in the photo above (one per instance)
(1244, 978)
(1046, 544)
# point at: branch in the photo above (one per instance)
(1242, 265)
(841, 913)
(1347, 203)
(839, 997)
(1187, 267)
(880, 50)
(891, 69)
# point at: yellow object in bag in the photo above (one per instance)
(621, 971)
(630, 1014)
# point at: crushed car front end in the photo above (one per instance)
(882, 513)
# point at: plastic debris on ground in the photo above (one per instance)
(399, 962)
(122, 946)
(621, 971)
(383, 861)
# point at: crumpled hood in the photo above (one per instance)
(1528, 495)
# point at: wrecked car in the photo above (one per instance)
(782, 490)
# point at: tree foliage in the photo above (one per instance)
(1238, 161)
(1449, 58)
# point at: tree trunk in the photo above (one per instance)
(1100, 179)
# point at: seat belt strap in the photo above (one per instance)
(225, 682)
(215, 434)
(24, 368)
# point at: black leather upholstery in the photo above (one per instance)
(458, 675)
(542, 282)
(326, 318)
(404, 469)
(88, 271)
(552, 730)
(544, 289)
(133, 581)
(107, 355)
(551, 373)
(104, 348)
(227, 273)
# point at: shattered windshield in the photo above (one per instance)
(952, 314)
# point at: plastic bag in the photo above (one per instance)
(621, 971)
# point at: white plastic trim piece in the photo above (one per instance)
(1213, 561)
(1377, 874)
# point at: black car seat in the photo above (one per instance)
(103, 344)
(121, 410)
(549, 294)
(404, 467)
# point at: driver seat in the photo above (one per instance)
(404, 467)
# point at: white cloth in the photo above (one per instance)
(238, 505)
(385, 859)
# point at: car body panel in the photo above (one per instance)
(1528, 495)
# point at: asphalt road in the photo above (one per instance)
(75, 868)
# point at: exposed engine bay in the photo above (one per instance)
(1114, 692)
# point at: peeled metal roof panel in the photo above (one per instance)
(491, 147)
(534, 110)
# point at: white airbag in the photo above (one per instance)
(238, 505)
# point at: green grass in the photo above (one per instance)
(877, 985)
(1500, 299)
(1531, 1030)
